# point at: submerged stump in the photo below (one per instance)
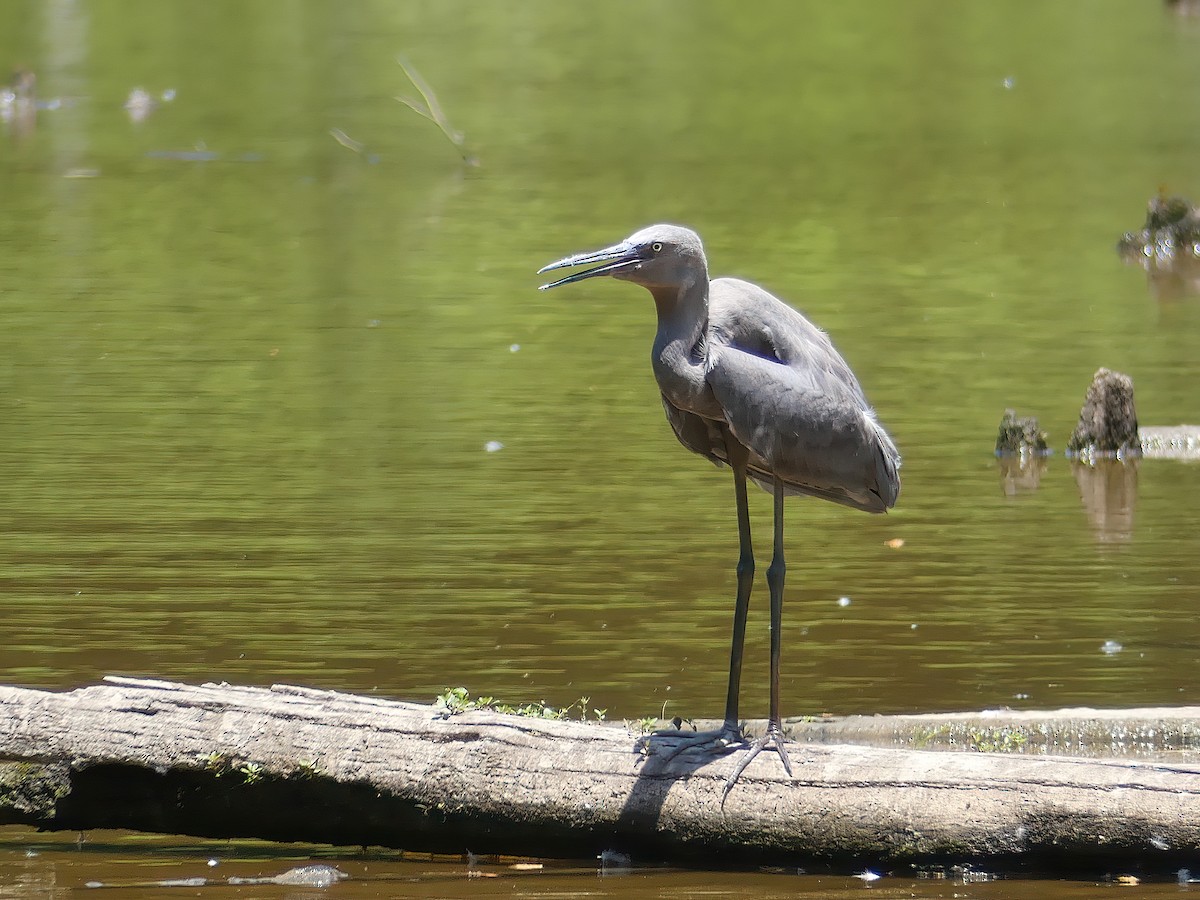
(1171, 230)
(295, 764)
(1107, 422)
(1020, 435)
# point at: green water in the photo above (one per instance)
(248, 373)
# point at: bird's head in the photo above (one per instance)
(661, 256)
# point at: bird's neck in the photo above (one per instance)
(682, 317)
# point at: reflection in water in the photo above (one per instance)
(1108, 488)
(1170, 278)
(141, 103)
(18, 103)
(1020, 473)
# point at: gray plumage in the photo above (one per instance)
(747, 381)
(779, 385)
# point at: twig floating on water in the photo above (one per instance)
(432, 110)
(345, 140)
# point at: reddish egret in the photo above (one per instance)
(749, 382)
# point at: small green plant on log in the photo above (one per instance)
(307, 770)
(217, 763)
(923, 737)
(252, 773)
(458, 700)
(996, 740)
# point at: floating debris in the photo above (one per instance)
(18, 102)
(201, 153)
(432, 110)
(321, 876)
(168, 882)
(346, 141)
(1111, 648)
(19, 94)
(843, 601)
(894, 543)
(493, 446)
(141, 103)
(868, 876)
(514, 348)
(614, 859)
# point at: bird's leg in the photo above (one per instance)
(775, 572)
(745, 581)
(729, 736)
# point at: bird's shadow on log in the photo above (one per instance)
(659, 772)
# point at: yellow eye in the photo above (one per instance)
(656, 247)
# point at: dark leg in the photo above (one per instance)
(775, 573)
(729, 736)
(745, 581)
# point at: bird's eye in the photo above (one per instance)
(656, 247)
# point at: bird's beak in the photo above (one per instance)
(614, 258)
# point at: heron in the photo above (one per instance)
(749, 382)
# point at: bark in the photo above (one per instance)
(295, 764)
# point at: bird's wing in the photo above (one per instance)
(792, 400)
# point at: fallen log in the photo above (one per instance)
(295, 764)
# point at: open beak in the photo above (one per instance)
(612, 259)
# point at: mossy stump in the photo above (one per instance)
(1108, 421)
(1020, 435)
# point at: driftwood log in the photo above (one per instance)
(294, 764)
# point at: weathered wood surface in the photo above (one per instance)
(1162, 734)
(289, 763)
(1170, 442)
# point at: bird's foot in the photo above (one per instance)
(725, 739)
(773, 739)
